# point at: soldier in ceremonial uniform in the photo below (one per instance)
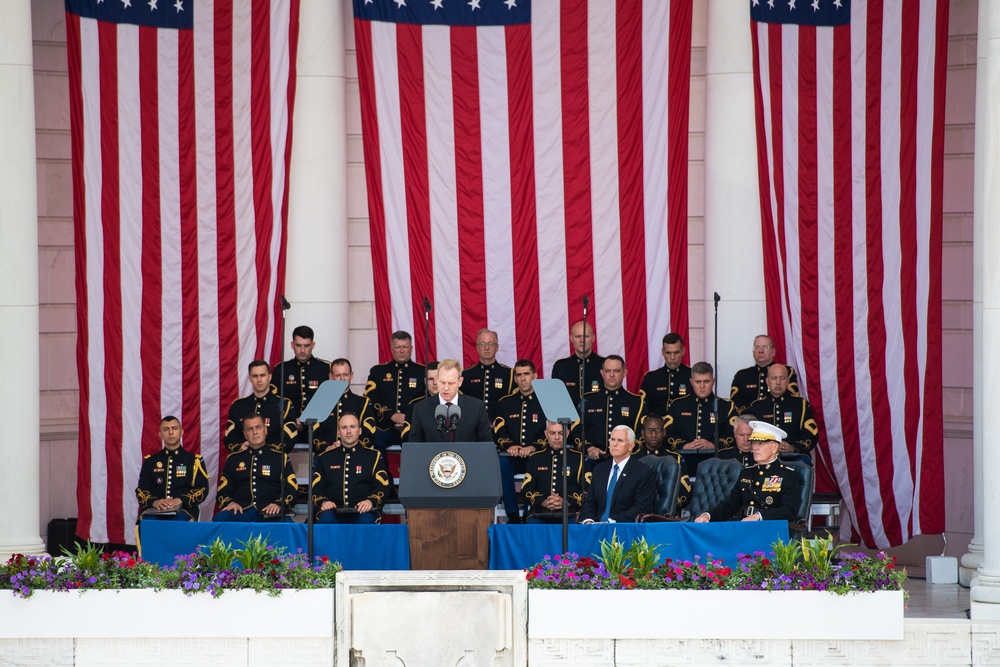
(652, 445)
(543, 487)
(391, 386)
(262, 401)
(299, 378)
(432, 392)
(750, 384)
(791, 413)
(581, 371)
(743, 451)
(325, 433)
(662, 385)
(606, 409)
(488, 380)
(518, 430)
(767, 490)
(172, 479)
(250, 488)
(691, 420)
(350, 477)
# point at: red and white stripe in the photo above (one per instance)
(513, 170)
(850, 143)
(181, 142)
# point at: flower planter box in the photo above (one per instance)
(692, 614)
(137, 613)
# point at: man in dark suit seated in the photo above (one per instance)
(452, 417)
(765, 491)
(623, 487)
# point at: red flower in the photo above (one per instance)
(130, 562)
(889, 566)
(765, 561)
(324, 559)
(275, 561)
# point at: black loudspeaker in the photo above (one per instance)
(62, 533)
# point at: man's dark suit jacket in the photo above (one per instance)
(635, 492)
(474, 426)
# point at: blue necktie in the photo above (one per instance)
(611, 493)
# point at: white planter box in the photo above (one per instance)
(142, 613)
(554, 614)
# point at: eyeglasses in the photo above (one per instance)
(652, 430)
(761, 348)
(486, 344)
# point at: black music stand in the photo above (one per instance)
(319, 408)
(557, 406)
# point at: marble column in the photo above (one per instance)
(973, 559)
(19, 522)
(316, 275)
(985, 593)
(733, 265)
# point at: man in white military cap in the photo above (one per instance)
(766, 490)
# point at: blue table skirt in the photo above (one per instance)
(378, 547)
(386, 547)
(521, 546)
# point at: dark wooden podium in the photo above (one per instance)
(448, 522)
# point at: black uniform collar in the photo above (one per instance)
(771, 464)
(405, 364)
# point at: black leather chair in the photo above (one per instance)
(715, 479)
(668, 480)
(807, 477)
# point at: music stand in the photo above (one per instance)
(557, 406)
(319, 408)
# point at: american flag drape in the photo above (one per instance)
(521, 154)
(180, 117)
(850, 126)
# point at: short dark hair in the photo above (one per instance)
(432, 365)
(672, 338)
(614, 357)
(252, 416)
(702, 368)
(522, 363)
(402, 335)
(340, 361)
(302, 331)
(258, 362)
(169, 418)
(652, 415)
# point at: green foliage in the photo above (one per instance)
(213, 570)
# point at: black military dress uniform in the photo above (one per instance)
(793, 415)
(299, 380)
(542, 479)
(603, 411)
(390, 388)
(772, 490)
(662, 385)
(346, 476)
(734, 453)
(489, 384)
(267, 406)
(750, 384)
(252, 478)
(175, 474)
(572, 368)
(640, 451)
(350, 403)
(520, 422)
(690, 418)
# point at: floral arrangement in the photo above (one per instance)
(798, 565)
(213, 569)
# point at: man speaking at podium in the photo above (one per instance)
(453, 417)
